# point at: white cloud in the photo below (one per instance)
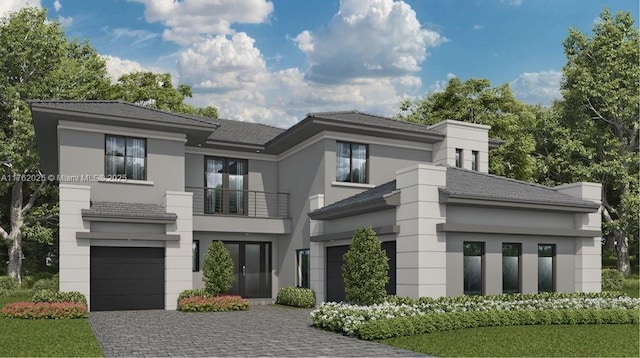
(512, 2)
(139, 38)
(440, 85)
(57, 5)
(189, 21)
(367, 39)
(538, 87)
(117, 67)
(7, 6)
(65, 21)
(478, 27)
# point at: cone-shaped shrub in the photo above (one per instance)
(217, 272)
(365, 269)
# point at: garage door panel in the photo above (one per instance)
(127, 278)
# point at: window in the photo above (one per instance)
(302, 263)
(475, 161)
(546, 267)
(226, 185)
(195, 252)
(459, 158)
(511, 268)
(351, 162)
(473, 255)
(125, 156)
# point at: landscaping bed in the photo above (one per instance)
(398, 317)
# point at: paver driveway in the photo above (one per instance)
(261, 331)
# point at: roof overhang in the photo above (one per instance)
(311, 126)
(46, 120)
(446, 197)
(506, 230)
(126, 236)
(382, 230)
(389, 201)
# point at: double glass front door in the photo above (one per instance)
(251, 268)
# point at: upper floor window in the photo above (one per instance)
(459, 158)
(226, 186)
(475, 161)
(125, 156)
(351, 162)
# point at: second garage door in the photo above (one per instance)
(127, 278)
(334, 282)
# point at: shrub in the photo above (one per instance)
(7, 283)
(365, 269)
(612, 280)
(217, 272)
(193, 293)
(213, 304)
(413, 325)
(47, 284)
(296, 296)
(56, 310)
(59, 297)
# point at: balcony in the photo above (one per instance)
(248, 203)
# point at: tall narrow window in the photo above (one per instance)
(125, 156)
(195, 252)
(473, 255)
(351, 162)
(546, 267)
(226, 185)
(475, 161)
(302, 263)
(459, 158)
(511, 268)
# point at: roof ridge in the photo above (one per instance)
(186, 116)
(254, 123)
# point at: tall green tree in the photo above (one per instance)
(37, 61)
(593, 132)
(156, 90)
(475, 101)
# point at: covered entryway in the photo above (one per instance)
(127, 278)
(334, 282)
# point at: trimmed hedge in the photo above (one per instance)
(196, 292)
(296, 297)
(44, 310)
(213, 304)
(414, 325)
(59, 297)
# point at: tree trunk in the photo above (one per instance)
(609, 243)
(15, 235)
(622, 249)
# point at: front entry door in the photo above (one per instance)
(251, 268)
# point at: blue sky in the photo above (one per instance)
(274, 61)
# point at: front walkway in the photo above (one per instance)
(262, 331)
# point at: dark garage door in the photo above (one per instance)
(127, 278)
(334, 283)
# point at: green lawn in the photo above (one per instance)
(43, 337)
(517, 341)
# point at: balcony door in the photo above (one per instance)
(226, 184)
(251, 268)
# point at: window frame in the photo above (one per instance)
(195, 263)
(303, 277)
(366, 162)
(475, 160)
(554, 260)
(519, 256)
(225, 185)
(459, 158)
(109, 175)
(482, 268)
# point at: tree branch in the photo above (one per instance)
(4, 234)
(33, 197)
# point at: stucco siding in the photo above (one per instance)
(351, 223)
(509, 217)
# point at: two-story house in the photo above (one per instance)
(143, 193)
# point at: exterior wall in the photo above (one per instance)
(82, 153)
(351, 223)
(466, 136)
(420, 249)
(492, 262)
(178, 254)
(509, 217)
(206, 238)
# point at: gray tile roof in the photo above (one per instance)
(464, 182)
(360, 118)
(124, 110)
(468, 183)
(243, 132)
(127, 210)
(364, 197)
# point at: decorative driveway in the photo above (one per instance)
(263, 331)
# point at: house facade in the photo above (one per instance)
(143, 193)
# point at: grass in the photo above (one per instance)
(46, 338)
(514, 341)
